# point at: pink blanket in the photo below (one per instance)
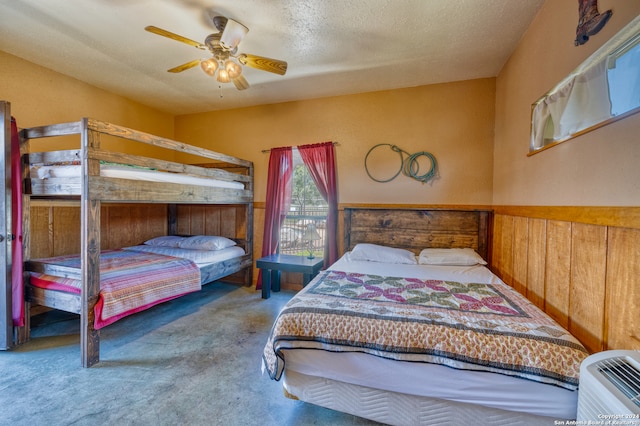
(129, 281)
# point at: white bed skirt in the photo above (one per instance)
(396, 408)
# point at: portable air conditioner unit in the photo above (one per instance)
(610, 388)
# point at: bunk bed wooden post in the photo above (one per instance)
(6, 317)
(89, 249)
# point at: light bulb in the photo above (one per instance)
(232, 68)
(209, 66)
(223, 76)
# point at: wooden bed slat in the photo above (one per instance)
(54, 156)
(134, 135)
(67, 302)
(52, 130)
(50, 269)
(193, 170)
(111, 189)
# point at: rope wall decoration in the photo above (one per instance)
(409, 166)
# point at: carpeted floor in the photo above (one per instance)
(191, 361)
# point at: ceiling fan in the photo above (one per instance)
(225, 63)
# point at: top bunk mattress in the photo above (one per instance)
(72, 171)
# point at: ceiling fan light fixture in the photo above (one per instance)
(233, 69)
(209, 66)
(224, 64)
(223, 76)
(232, 34)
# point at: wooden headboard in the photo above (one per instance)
(416, 229)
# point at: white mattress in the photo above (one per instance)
(431, 380)
(128, 172)
(199, 257)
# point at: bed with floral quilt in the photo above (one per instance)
(405, 339)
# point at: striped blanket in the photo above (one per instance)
(488, 327)
(130, 281)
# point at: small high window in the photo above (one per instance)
(603, 89)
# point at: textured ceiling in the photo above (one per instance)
(332, 47)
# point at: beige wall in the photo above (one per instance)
(599, 168)
(452, 121)
(40, 96)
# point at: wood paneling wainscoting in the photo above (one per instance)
(581, 265)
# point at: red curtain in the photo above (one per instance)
(278, 200)
(17, 286)
(320, 160)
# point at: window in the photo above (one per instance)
(308, 211)
(623, 69)
(603, 89)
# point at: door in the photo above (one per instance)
(6, 321)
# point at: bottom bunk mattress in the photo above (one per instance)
(130, 281)
(454, 333)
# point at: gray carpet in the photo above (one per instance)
(191, 361)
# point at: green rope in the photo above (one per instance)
(408, 166)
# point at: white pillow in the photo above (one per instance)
(206, 242)
(199, 257)
(165, 241)
(376, 253)
(452, 256)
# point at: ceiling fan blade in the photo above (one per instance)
(265, 64)
(186, 66)
(173, 36)
(240, 82)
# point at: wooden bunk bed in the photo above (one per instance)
(212, 180)
(399, 338)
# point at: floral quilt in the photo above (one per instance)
(488, 327)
